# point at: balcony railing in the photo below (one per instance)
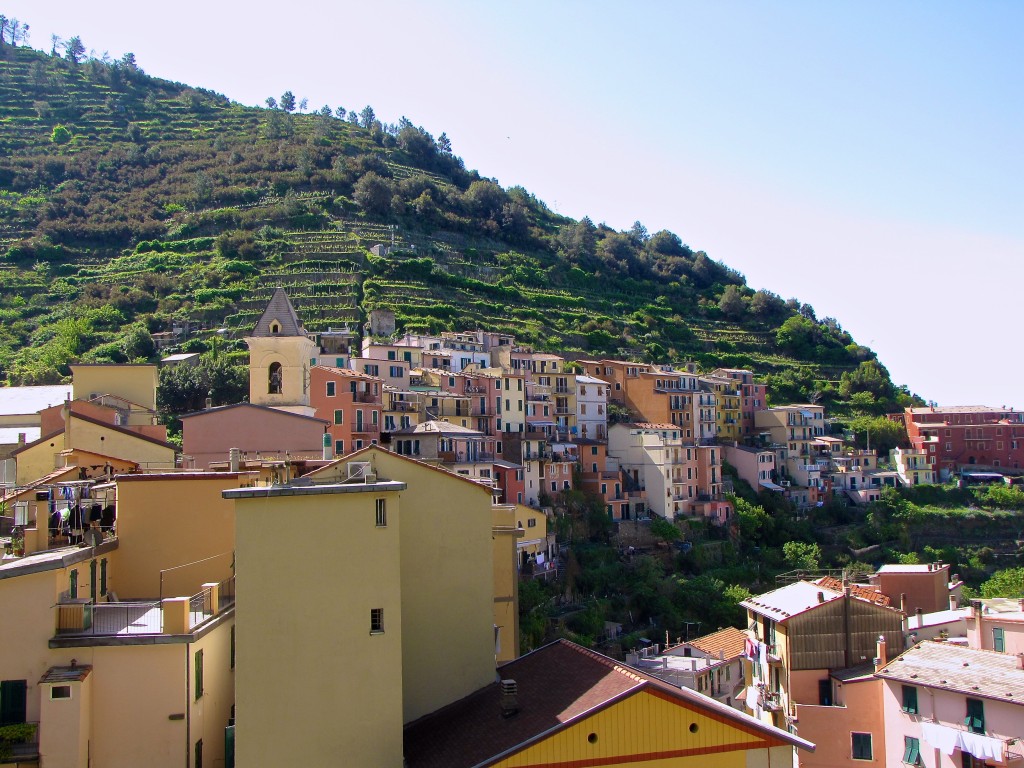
(366, 428)
(365, 397)
(133, 618)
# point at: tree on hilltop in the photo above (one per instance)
(271, 102)
(444, 144)
(367, 117)
(74, 50)
(288, 101)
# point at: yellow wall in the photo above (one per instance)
(66, 725)
(649, 724)
(39, 460)
(506, 581)
(312, 683)
(447, 608)
(136, 383)
(165, 521)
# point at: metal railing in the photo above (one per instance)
(136, 618)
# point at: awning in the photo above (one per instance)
(771, 486)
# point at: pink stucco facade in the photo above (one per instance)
(208, 436)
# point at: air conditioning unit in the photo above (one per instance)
(370, 477)
(357, 470)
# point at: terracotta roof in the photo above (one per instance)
(984, 674)
(439, 427)
(74, 674)
(729, 640)
(279, 308)
(650, 425)
(557, 685)
(857, 590)
(348, 372)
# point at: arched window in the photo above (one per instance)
(275, 327)
(274, 379)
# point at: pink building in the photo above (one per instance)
(997, 624)
(946, 706)
(208, 436)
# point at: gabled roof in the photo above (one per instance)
(279, 308)
(729, 641)
(99, 423)
(267, 408)
(439, 427)
(364, 453)
(982, 674)
(347, 372)
(558, 685)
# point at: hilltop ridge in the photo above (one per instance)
(129, 204)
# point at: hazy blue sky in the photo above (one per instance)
(864, 157)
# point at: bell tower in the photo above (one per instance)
(280, 352)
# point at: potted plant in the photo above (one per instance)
(17, 542)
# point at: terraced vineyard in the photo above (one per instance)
(131, 205)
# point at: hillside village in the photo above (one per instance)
(364, 523)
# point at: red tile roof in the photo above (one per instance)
(557, 684)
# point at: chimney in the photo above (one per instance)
(879, 659)
(209, 403)
(953, 603)
(1020, 661)
(234, 459)
(509, 698)
(821, 597)
(328, 448)
(903, 601)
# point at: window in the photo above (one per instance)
(339, 447)
(274, 379)
(339, 417)
(60, 692)
(911, 750)
(13, 701)
(861, 746)
(392, 355)
(910, 699)
(103, 576)
(975, 720)
(376, 621)
(382, 513)
(199, 674)
(998, 640)
(531, 522)
(73, 587)
(198, 762)
(395, 371)
(331, 388)
(372, 370)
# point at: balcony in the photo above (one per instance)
(536, 455)
(562, 390)
(403, 406)
(365, 429)
(475, 389)
(84, 618)
(559, 411)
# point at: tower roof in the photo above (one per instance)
(280, 311)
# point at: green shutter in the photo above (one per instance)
(199, 674)
(998, 640)
(73, 589)
(13, 701)
(910, 699)
(229, 747)
(911, 751)
(92, 580)
(103, 576)
(975, 720)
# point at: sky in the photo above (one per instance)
(864, 157)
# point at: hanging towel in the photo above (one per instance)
(942, 737)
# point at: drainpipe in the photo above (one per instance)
(188, 706)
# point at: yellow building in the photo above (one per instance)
(362, 608)
(134, 383)
(563, 705)
(84, 433)
(505, 533)
(728, 399)
(116, 683)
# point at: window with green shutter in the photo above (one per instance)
(103, 576)
(199, 674)
(911, 750)
(73, 588)
(998, 640)
(975, 720)
(910, 699)
(861, 744)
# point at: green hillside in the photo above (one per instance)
(129, 203)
